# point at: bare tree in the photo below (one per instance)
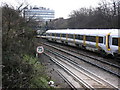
(106, 15)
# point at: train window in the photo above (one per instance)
(80, 37)
(104, 40)
(53, 34)
(76, 36)
(115, 41)
(57, 35)
(63, 35)
(70, 36)
(91, 38)
(100, 39)
(47, 34)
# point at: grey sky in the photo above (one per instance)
(62, 7)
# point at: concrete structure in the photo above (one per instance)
(39, 14)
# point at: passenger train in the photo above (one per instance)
(104, 41)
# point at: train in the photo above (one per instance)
(104, 41)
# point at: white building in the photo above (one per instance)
(39, 14)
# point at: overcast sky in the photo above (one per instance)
(62, 7)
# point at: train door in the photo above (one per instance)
(50, 36)
(119, 41)
(74, 38)
(108, 42)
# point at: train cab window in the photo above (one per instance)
(91, 38)
(70, 36)
(100, 39)
(115, 41)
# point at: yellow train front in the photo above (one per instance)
(104, 41)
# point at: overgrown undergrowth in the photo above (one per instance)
(21, 69)
(39, 79)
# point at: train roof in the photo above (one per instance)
(95, 32)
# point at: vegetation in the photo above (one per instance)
(20, 67)
(106, 15)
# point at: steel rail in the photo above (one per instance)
(68, 82)
(111, 64)
(84, 84)
(76, 64)
(114, 65)
(112, 72)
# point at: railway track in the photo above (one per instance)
(87, 81)
(75, 54)
(73, 86)
(94, 61)
(100, 59)
(111, 61)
